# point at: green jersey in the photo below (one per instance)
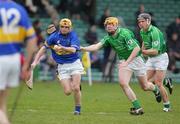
(154, 39)
(123, 42)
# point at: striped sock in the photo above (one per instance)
(155, 89)
(166, 104)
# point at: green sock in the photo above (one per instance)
(155, 89)
(164, 81)
(136, 104)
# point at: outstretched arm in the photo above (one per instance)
(38, 56)
(93, 47)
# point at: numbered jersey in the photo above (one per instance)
(15, 27)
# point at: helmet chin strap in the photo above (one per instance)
(148, 24)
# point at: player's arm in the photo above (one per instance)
(150, 52)
(31, 48)
(74, 41)
(38, 56)
(133, 54)
(155, 44)
(31, 44)
(143, 47)
(131, 45)
(93, 47)
(131, 57)
(60, 48)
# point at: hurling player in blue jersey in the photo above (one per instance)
(15, 28)
(64, 45)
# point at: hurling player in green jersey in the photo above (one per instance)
(154, 47)
(130, 60)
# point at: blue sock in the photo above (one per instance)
(78, 108)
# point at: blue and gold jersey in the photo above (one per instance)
(70, 40)
(15, 27)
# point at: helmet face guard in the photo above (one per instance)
(144, 17)
(65, 26)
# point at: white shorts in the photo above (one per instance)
(65, 71)
(9, 71)
(137, 66)
(159, 62)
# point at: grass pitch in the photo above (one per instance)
(102, 103)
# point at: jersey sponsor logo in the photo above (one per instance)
(156, 43)
(130, 42)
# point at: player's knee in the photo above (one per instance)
(76, 89)
(67, 92)
(122, 84)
